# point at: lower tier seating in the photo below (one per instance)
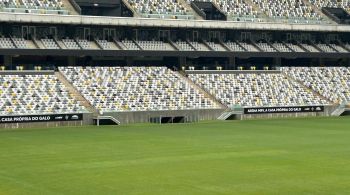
(111, 89)
(256, 90)
(331, 82)
(35, 94)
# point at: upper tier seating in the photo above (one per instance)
(292, 10)
(199, 46)
(130, 45)
(249, 47)
(234, 46)
(184, 46)
(331, 82)
(50, 44)
(331, 3)
(216, 46)
(309, 48)
(33, 6)
(20, 43)
(135, 89)
(338, 48)
(265, 47)
(295, 47)
(70, 44)
(325, 48)
(256, 90)
(6, 43)
(281, 47)
(154, 45)
(236, 9)
(85, 44)
(163, 8)
(35, 94)
(104, 44)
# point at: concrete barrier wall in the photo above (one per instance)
(144, 116)
(327, 112)
(27, 72)
(168, 23)
(87, 120)
(233, 71)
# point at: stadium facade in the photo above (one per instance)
(80, 62)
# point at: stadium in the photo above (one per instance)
(174, 96)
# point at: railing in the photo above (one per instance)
(276, 19)
(169, 16)
(75, 6)
(107, 118)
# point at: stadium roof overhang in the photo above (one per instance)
(167, 23)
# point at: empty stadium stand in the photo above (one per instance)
(235, 46)
(237, 10)
(256, 89)
(112, 89)
(155, 46)
(293, 11)
(71, 43)
(35, 6)
(6, 43)
(35, 94)
(161, 9)
(184, 46)
(345, 4)
(130, 45)
(331, 82)
(50, 44)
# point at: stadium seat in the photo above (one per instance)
(154, 45)
(345, 4)
(163, 8)
(111, 89)
(238, 10)
(331, 82)
(70, 44)
(33, 6)
(35, 94)
(291, 10)
(256, 90)
(50, 44)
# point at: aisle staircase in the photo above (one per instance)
(76, 94)
(201, 90)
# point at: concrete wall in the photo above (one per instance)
(144, 116)
(327, 112)
(27, 72)
(86, 121)
(233, 71)
(167, 23)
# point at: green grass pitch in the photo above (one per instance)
(286, 156)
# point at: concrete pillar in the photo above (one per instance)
(231, 63)
(182, 62)
(277, 62)
(8, 62)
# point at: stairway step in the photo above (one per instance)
(75, 93)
